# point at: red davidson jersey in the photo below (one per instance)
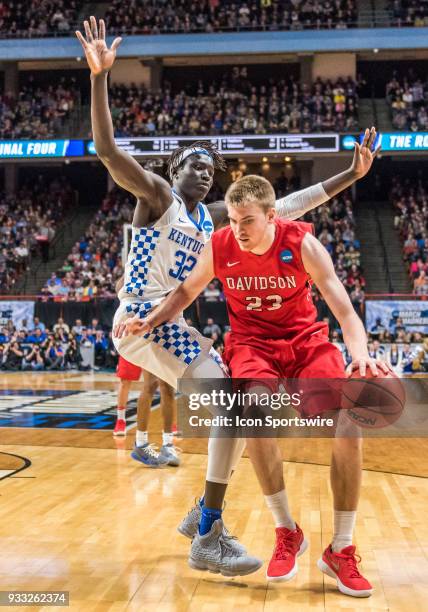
(269, 295)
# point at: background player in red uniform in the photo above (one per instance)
(127, 373)
(265, 265)
(143, 451)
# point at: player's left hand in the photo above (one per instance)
(363, 154)
(362, 363)
(134, 326)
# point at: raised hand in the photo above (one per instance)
(99, 57)
(363, 155)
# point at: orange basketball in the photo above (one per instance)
(374, 401)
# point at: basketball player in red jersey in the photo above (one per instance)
(266, 266)
(144, 452)
(127, 373)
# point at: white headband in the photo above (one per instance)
(192, 151)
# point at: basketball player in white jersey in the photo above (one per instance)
(170, 229)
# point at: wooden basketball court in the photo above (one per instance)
(78, 514)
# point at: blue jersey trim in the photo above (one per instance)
(200, 209)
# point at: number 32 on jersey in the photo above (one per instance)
(183, 265)
(270, 302)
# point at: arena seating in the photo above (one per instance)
(407, 13)
(236, 106)
(410, 201)
(407, 98)
(38, 111)
(29, 219)
(184, 16)
(35, 18)
(95, 262)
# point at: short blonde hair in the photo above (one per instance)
(251, 189)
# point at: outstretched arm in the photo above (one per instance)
(149, 188)
(319, 266)
(176, 301)
(300, 202)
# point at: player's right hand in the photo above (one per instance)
(364, 363)
(99, 57)
(133, 326)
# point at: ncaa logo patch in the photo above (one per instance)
(207, 226)
(286, 256)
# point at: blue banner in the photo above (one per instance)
(391, 141)
(25, 149)
(414, 314)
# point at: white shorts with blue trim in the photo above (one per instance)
(168, 350)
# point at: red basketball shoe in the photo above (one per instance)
(289, 545)
(343, 568)
(120, 428)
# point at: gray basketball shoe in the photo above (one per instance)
(170, 453)
(189, 527)
(212, 552)
(148, 455)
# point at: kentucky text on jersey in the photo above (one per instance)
(183, 240)
(244, 283)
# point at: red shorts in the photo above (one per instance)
(309, 355)
(127, 370)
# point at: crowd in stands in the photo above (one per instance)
(405, 351)
(95, 262)
(38, 111)
(410, 200)
(407, 13)
(74, 346)
(60, 348)
(28, 222)
(35, 18)
(38, 18)
(236, 106)
(408, 102)
(184, 16)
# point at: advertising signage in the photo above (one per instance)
(286, 144)
(27, 149)
(391, 141)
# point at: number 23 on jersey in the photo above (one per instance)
(270, 302)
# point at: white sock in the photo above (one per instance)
(344, 523)
(167, 438)
(142, 438)
(278, 505)
(121, 412)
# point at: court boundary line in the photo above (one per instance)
(198, 454)
(27, 464)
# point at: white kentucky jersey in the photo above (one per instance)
(163, 255)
